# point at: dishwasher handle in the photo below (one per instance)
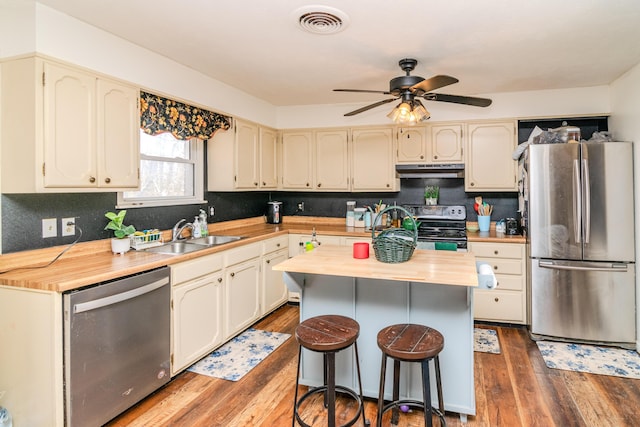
(114, 299)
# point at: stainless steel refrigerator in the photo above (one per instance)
(580, 242)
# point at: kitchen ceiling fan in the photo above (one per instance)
(407, 88)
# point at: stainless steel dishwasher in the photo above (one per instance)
(116, 345)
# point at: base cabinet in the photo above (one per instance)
(242, 288)
(506, 303)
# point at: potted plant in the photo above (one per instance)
(120, 243)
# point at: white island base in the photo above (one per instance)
(379, 302)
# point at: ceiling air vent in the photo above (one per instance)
(321, 19)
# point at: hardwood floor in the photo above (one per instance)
(513, 388)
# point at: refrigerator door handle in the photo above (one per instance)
(577, 203)
(587, 200)
(618, 267)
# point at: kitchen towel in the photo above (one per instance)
(591, 359)
(236, 358)
(486, 341)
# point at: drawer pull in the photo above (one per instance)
(495, 267)
(495, 252)
(496, 299)
(219, 279)
(277, 245)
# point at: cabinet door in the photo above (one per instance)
(274, 291)
(446, 144)
(197, 319)
(69, 128)
(297, 150)
(489, 165)
(118, 135)
(331, 160)
(242, 296)
(412, 145)
(246, 155)
(268, 158)
(373, 161)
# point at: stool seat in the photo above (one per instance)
(410, 342)
(327, 333)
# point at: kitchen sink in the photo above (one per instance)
(175, 248)
(213, 240)
(192, 245)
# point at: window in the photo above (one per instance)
(171, 172)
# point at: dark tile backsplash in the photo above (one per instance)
(22, 214)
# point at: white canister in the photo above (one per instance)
(359, 217)
(351, 214)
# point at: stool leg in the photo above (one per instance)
(443, 423)
(325, 377)
(331, 388)
(383, 372)
(426, 394)
(395, 412)
(355, 347)
(295, 397)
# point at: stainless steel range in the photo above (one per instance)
(441, 227)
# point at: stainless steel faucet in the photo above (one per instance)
(176, 232)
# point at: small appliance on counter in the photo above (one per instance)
(511, 226)
(274, 212)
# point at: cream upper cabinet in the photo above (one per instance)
(446, 143)
(489, 165)
(255, 158)
(297, 152)
(268, 158)
(331, 160)
(315, 160)
(67, 129)
(372, 159)
(413, 146)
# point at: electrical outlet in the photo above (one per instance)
(301, 207)
(68, 226)
(49, 228)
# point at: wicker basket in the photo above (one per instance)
(394, 245)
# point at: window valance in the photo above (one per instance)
(158, 115)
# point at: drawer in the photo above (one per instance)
(275, 244)
(501, 306)
(511, 283)
(241, 254)
(194, 268)
(498, 250)
(505, 265)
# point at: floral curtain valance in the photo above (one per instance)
(158, 115)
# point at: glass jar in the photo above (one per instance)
(351, 219)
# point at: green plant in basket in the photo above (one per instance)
(116, 224)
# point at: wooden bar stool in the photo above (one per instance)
(410, 343)
(328, 335)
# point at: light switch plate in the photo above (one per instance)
(49, 228)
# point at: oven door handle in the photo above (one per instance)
(123, 296)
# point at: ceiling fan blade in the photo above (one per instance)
(368, 107)
(433, 83)
(384, 92)
(456, 99)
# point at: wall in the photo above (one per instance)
(625, 120)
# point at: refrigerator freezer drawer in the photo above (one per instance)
(583, 301)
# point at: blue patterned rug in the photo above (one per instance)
(591, 359)
(486, 341)
(237, 357)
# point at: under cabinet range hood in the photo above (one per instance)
(449, 170)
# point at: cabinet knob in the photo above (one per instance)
(92, 179)
(496, 299)
(495, 252)
(472, 184)
(277, 245)
(307, 184)
(255, 184)
(264, 184)
(435, 157)
(319, 185)
(495, 267)
(233, 274)
(421, 157)
(388, 185)
(268, 261)
(219, 279)
(107, 180)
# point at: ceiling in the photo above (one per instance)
(491, 46)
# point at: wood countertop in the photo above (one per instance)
(437, 267)
(87, 263)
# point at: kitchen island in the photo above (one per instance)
(433, 288)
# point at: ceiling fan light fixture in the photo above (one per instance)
(409, 113)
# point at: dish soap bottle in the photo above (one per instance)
(204, 229)
(196, 228)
